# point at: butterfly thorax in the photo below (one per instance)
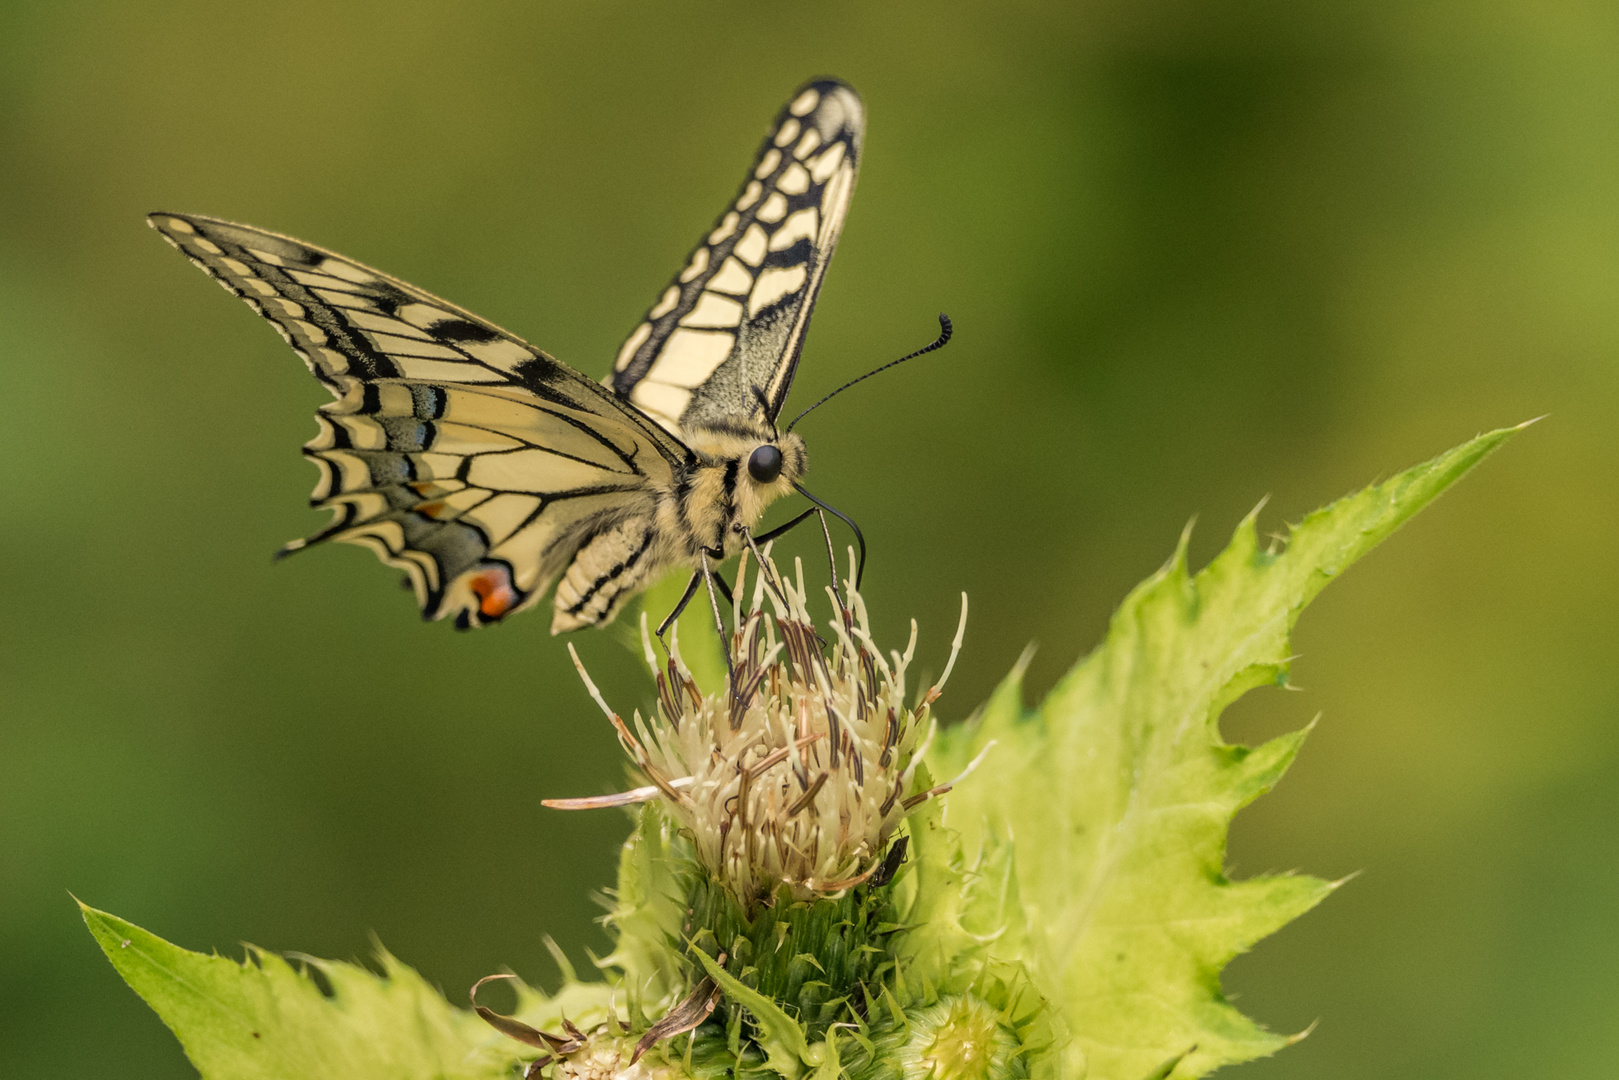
(711, 495)
(719, 491)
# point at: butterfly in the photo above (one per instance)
(488, 470)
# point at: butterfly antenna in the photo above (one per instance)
(945, 330)
(860, 570)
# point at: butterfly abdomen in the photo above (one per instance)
(613, 566)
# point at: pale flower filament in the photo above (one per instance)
(798, 775)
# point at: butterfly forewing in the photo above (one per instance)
(722, 341)
(487, 470)
(456, 451)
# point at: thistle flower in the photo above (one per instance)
(790, 786)
(796, 777)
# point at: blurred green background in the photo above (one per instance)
(1196, 254)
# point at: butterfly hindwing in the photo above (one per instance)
(456, 451)
(728, 329)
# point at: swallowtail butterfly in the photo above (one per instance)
(487, 470)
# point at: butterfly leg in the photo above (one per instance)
(691, 590)
(766, 570)
(725, 590)
(685, 598)
(860, 537)
(719, 623)
(765, 538)
(753, 542)
(831, 557)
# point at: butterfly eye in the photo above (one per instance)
(765, 464)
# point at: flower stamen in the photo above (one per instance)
(808, 798)
(798, 773)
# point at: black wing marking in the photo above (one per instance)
(734, 318)
(457, 452)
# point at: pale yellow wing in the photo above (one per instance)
(456, 451)
(723, 340)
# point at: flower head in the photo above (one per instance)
(799, 773)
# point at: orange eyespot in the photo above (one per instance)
(493, 587)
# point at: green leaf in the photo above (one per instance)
(267, 1019)
(646, 917)
(1118, 792)
(957, 916)
(780, 1037)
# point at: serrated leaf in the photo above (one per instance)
(957, 916)
(267, 1020)
(780, 1037)
(1118, 792)
(965, 933)
(647, 914)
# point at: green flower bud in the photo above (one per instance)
(960, 1038)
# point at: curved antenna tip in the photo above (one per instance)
(946, 329)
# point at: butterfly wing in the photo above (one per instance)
(457, 452)
(727, 331)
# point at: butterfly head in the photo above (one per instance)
(772, 467)
(759, 464)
